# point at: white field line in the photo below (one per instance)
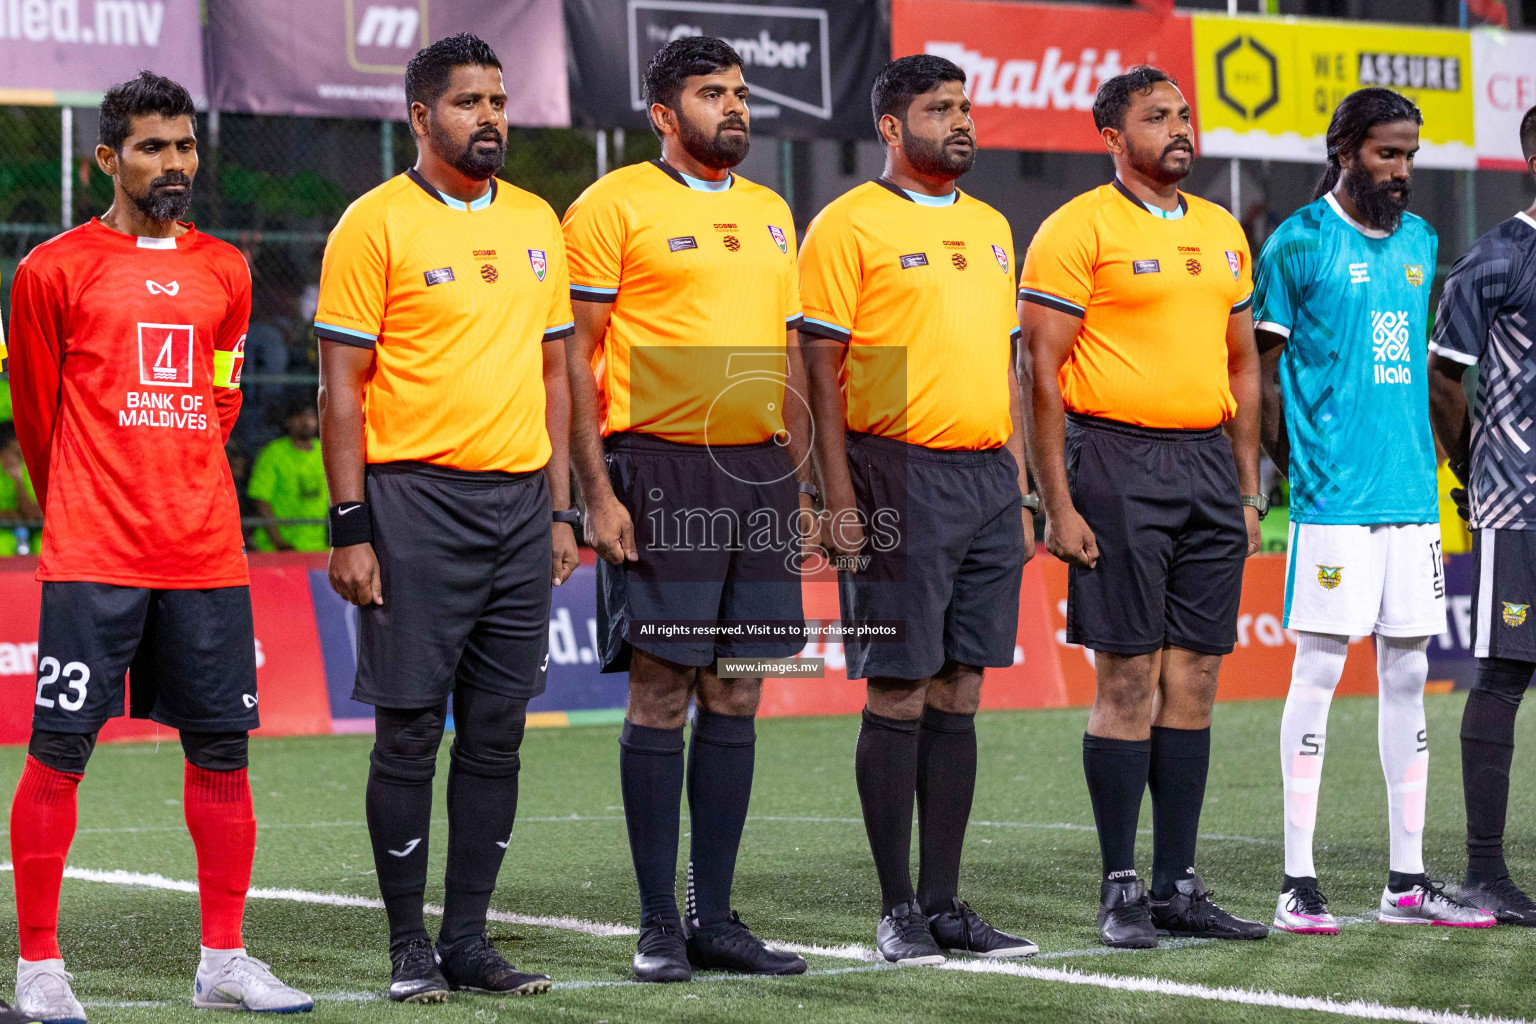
(1357, 1008)
(1057, 826)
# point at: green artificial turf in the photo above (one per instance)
(805, 876)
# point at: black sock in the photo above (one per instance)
(651, 777)
(720, 757)
(1399, 881)
(482, 804)
(1176, 775)
(399, 811)
(885, 767)
(1117, 776)
(946, 782)
(1487, 748)
(1290, 883)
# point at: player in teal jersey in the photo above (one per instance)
(1341, 308)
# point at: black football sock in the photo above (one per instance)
(1400, 881)
(1117, 776)
(946, 782)
(720, 757)
(482, 804)
(1176, 776)
(1487, 749)
(885, 768)
(399, 811)
(651, 777)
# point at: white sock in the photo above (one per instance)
(1303, 731)
(212, 959)
(1402, 665)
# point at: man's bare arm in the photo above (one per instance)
(1243, 378)
(1272, 434)
(1448, 409)
(843, 533)
(1015, 442)
(1048, 336)
(557, 471)
(344, 373)
(608, 526)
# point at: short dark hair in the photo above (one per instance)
(149, 93)
(1352, 122)
(906, 78)
(680, 60)
(1114, 96)
(427, 74)
(1528, 133)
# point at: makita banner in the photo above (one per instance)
(75, 47)
(809, 64)
(346, 58)
(1032, 69)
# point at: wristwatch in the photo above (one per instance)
(1030, 501)
(569, 516)
(1258, 501)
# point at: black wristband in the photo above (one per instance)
(351, 524)
(568, 516)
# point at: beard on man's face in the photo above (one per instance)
(161, 202)
(1381, 203)
(1164, 168)
(936, 159)
(719, 151)
(473, 162)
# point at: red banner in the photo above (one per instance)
(1260, 666)
(1032, 69)
(289, 672)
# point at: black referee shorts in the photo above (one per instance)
(464, 563)
(191, 655)
(1502, 624)
(945, 538)
(1164, 507)
(719, 544)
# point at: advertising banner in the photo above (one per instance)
(1268, 86)
(809, 63)
(1504, 79)
(1032, 69)
(68, 52)
(290, 675)
(346, 58)
(306, 642)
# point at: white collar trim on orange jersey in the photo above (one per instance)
(145, 242)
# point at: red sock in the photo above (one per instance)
(223, 827)
(42, 827)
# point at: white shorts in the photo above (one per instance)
(1358, 580)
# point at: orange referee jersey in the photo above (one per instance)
(703, 287)
(923, 296)
(455, 300)
(1154, 295)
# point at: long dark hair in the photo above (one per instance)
(1353, 120)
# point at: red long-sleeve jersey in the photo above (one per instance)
(125, 358)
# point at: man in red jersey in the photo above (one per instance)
(125, 348)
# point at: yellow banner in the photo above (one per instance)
(1267, 86)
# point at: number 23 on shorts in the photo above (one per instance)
(71, 678)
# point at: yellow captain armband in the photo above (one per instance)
(228, 364)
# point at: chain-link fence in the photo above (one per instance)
(273, 186)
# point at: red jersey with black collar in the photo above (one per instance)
(125, 358)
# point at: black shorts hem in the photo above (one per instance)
(1198, 647)
(1123, 650)
(216, 725)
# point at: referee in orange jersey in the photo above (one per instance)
(444, 305)
(1136, 305)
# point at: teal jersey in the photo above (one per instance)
(1353, 304)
